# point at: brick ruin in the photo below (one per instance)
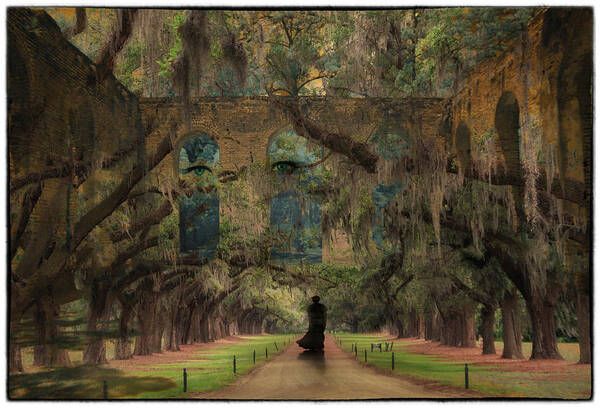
(538, 91)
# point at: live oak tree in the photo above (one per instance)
(401, 53)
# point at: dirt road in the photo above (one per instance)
(296, 374)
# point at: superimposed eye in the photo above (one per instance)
(285, 167)
(198, 170)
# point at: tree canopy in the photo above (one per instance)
(435, 235)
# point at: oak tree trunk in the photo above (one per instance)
(145, 313)
(399, 328)
(95, 352)
(171, 339)
(467, 320)
(159, 329)
(204, 335)
(543, 325)
(432, 325)
(47, 352)
(583, 328)
(488, 319)
(421, 329)
(123, 345)
(15, 364)
(511, 326)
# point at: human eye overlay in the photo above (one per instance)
(295, 215)
(199, 213)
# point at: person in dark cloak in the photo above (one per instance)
(317, 319)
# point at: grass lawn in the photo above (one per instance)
(572, 382)
(214, 369)
(207, 370)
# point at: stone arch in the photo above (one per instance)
(272, 137)
(293, 213)
(198, 160)
(184, 138)
(463, 145)
(509, 133)
(445, 132)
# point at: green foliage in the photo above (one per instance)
(125, 72)
(174, 52)
(420, 51)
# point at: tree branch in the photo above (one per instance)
(473, 294)
(120, 194)
(80, 24)
(315, 78)
(121, 32)
(30, 199)
(153, 218)
(402, 285)
(79, 169)
(51, 269)
(357, 152)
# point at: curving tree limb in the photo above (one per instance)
(80, 24)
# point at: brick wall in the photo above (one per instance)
(243, 126)
(54, 95)
(60, 113)
(548, 70)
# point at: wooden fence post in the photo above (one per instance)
(234, 367)
(184, 380)
(254, 357)
(466, 375)
(392, 361)
(365, 355)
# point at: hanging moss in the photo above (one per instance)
(235, 54)
(195, 40)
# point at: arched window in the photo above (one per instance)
(199, 214)
(507, 124)
(391, 144)
(295, 214)
(509, 131)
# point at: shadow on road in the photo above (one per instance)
(314, 358)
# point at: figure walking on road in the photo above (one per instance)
(314, 338)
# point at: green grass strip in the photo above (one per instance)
(487, 380)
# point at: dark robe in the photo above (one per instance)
(315, 336)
